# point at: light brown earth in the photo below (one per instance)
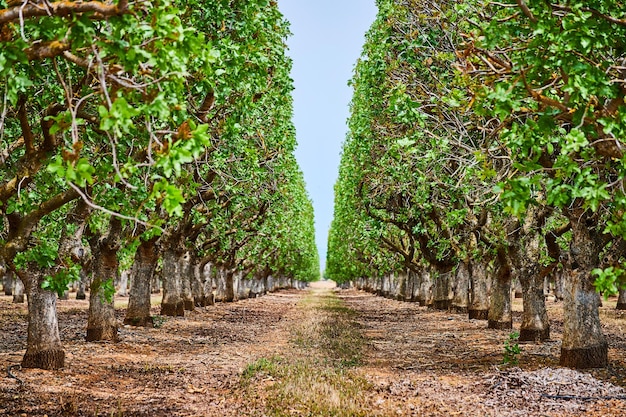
(319, 352)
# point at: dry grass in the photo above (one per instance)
(316, 378)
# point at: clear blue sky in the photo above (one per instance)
(327, 39)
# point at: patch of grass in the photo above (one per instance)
(261, 366)
(310, 388)
(158, 321)
(320, 377)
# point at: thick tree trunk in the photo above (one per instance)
(426, 289)
(7, 283)
(172, 304)
(144, 264)
(535, 324)
(44, 349)
(500, 315)
(197, 283)
(18, 290)
(479, 296)
(208, 284)
(584, 344)
(229, 293)
(621, 300)
(102, 324)
(185, 269)
(460, 302)
(401, 288)
(220, 284)
(441, 290)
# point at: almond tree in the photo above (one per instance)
(105, 129)
(553, 74)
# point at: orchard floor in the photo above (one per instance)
(318, 352)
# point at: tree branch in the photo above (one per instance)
(99, 9)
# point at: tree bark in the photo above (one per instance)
(155, 285)
(144, 264)
(479, 297)
(44, 349)
(535, 323)
(172, 304)
(229, 289)
(584, 344)
(527, 257)
(403, 286)
(426, 289)
(102, 324)
(460, 302)
(7, 283)
(18, 289)
(441, 290)
(185, 270)
(500, 315)
(558, 285)
(621, 300)
(123, 284)
(82, 285)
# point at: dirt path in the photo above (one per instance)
(319, 352)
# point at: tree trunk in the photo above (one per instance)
(123, 284)
(479, 297)
(44, 349)
(621, 300)
(185, 269)
(441, 290)
(155, 285)
(82, 285)
(500, 316)
(426, 289)
(229, 293)
(18, 290)
(144, 264)
(197, 283)
(460, 302)
(7, 283)
(208, 284)
(584, 344)
(558, 285)
(525, 252)
(402, 286)
(517, 288)
(220, 284)
(535, 323)
(172, 304)
(102, 324)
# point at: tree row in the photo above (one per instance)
(143, 136)
(485, 146)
